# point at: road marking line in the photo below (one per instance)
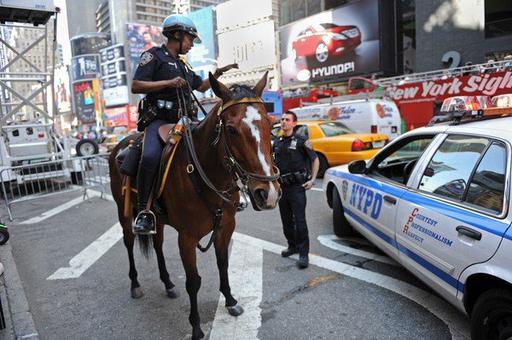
(92, 253)
(456, 321)
(246, 280)
(65, 206)
(329, 241)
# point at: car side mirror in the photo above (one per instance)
(357, 167)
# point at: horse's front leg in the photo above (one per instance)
(158, 241)
(187, 246)
(222, 254)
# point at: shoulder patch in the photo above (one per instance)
(145, 58)
(307, 143)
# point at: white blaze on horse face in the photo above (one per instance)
(251, 116)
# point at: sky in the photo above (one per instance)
(62, 31)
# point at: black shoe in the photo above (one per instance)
(145, 223)
(303, 262)
(289, 251)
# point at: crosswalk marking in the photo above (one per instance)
(87, 257)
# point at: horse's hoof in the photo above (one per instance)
(197, 334)
(235, 310)
(137, 293)
(172, 293)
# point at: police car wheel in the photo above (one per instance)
(492, 315)
(86, 147)
(323, 165)
(341, 226)
(4, 236)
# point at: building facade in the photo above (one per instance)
(453, 33)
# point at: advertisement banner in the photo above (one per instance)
(62, 90)
(84, 101)
(113, 76)
(116, 116)
(204, 53)
(436, 90)
(332, 45)
(85, 67)
(110, 53)
(236, 12)
(141, 37)
(251, 47)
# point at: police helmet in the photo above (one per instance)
(176, 22)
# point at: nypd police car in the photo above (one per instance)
(437, 200)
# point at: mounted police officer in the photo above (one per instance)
(159, 75)
(292, 154)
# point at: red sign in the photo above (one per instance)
(117, 116)
(439, 89)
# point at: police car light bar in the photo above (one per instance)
(466, 116)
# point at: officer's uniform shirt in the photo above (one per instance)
(158, 64)
(291, 154)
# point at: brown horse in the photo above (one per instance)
(232, 143)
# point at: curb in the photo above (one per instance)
(18, 318)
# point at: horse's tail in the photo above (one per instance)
(145, 242)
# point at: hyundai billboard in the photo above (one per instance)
(331, 45)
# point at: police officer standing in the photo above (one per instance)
(291, 154)
(159, 75)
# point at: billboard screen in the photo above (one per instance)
(331, 45)
(204, 53)
(251, 47)
(238, 12)
(85, 67)
(113, 76)
(84, 99)
(141, 37)
(89, 43)
(62, 90)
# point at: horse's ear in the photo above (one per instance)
(219, 89)
(261, 85)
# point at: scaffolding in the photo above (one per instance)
(24, 84)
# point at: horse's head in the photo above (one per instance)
(246, 126)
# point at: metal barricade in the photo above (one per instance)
(33, 181)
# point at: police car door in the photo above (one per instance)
(453, 215)
(375, 198)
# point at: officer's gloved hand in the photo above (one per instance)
(308, 185)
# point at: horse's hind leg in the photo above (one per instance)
(158, 241)
(222, 254)
(188, 257)
(129, 240)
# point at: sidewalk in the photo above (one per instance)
(18, 318)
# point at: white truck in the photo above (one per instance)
(361, 115)
(24, 146)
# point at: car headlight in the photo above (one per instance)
(351, 33)
(339, 37)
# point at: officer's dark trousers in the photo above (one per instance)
(292, 207)
(148, 167)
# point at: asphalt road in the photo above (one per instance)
(74, 269)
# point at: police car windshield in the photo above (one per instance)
(331, 129)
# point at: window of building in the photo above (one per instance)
(498, 18)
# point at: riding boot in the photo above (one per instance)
(145, 222)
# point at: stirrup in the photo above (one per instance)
(152, 216)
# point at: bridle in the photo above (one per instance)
(242, 173)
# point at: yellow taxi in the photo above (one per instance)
(335, 143)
